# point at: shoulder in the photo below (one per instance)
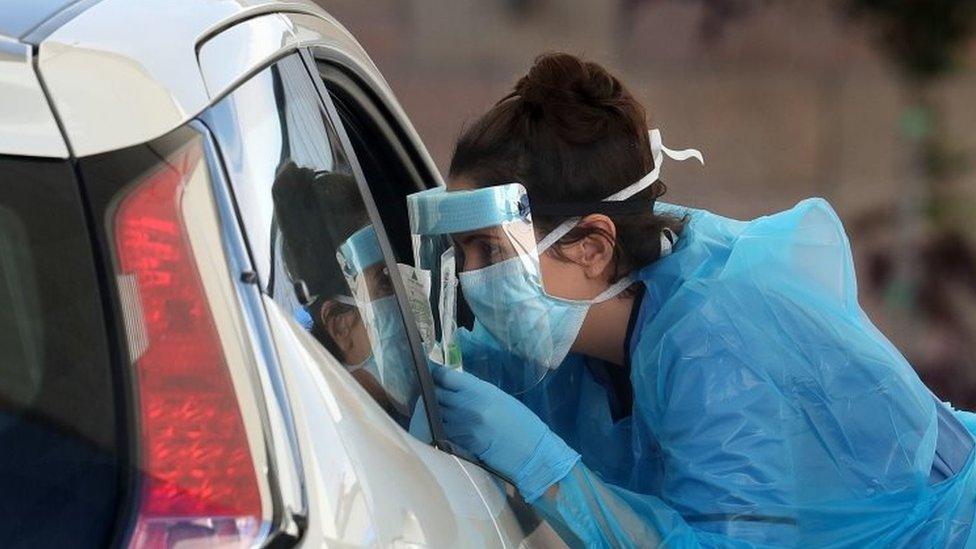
(778, 281)
(800, 251)
(776, 288)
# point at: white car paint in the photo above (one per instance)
(122, 73)
(385, 487)
(125, 72)
(27, 126)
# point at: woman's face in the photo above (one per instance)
(485, 247)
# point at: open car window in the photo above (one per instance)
(315, 247)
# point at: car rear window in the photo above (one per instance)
(59, 450)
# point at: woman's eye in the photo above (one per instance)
(488, 251)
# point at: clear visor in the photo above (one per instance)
(373, 314)
(488, 298)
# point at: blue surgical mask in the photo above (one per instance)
(510, 302)
(392, 359)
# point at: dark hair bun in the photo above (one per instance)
(579, 99)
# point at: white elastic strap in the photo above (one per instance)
(658, 151)
(613, 289)
(345, 299)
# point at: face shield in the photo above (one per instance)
(484, 242)
(391, 361)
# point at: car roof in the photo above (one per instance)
(22, 16)
(120, 72)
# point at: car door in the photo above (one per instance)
(301, 198)
(394, 163)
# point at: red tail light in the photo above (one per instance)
(200, 481)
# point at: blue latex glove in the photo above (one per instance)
(501, 432)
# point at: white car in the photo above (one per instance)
(161, 380)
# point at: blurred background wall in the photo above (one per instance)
(860, 102)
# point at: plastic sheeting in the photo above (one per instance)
(768, 410)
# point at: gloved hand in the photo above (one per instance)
(501, 432)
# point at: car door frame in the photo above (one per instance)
(407, 138)
(485, 508)
(440, 440)
(318, 38)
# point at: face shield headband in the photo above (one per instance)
(619, 199)
(436, 214)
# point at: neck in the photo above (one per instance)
(604, 330)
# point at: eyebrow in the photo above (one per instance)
(469, 237)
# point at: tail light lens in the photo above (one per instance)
(200, 483)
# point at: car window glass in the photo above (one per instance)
(386, 163)
(392, 169)
(59, 447)
(314, 246)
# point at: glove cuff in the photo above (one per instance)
(551, 461)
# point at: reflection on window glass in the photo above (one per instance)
(316, 253)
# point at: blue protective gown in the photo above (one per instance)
(768, 410)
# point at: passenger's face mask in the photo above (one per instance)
(486, 236)
(391, 361)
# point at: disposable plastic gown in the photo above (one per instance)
(767, 409)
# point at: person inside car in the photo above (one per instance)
(348, 303)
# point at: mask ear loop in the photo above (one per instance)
(658, 151)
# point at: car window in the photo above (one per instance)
(314, 245)
(59, 450)
(393, 166)
(390, 167)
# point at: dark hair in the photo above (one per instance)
(315, 212)
(570, 132)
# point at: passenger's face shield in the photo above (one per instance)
(372, 294)
(362, 265)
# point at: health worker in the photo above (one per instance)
(648, 374)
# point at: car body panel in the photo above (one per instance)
(119, 73)
(27, 125)
(384, 487)
(203, 231)
(283, 438)
(229, 57)
(114, 84)
(21, 16)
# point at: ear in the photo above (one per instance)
(595, 251)
(338, 326)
